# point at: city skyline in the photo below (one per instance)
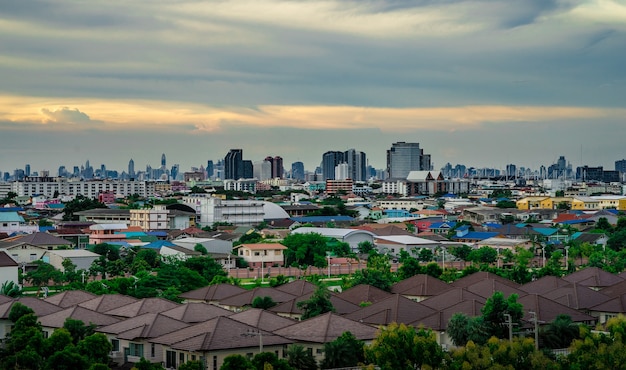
(479, 83)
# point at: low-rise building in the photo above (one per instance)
(261, 254)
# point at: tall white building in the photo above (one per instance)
(210, 210)
(262, 170)
(342, 171)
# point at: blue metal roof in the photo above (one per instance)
(573, 222)
(322, 219)
(10, 217)
(156, 233)
(546, 231)
(159, 244)
(11, 209)
(478, 235)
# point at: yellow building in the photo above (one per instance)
(585, 204)
(553, 202)
(530, 203)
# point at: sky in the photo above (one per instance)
(481, 83)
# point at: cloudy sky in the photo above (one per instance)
(482, 83)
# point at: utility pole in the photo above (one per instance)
(536, 321)
(509, 322)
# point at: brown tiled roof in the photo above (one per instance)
(479, 276)
(452, 297)
(547, 310)
(40, 307)
(488, 287)
(108, 302)
(218, 334)
(439, 320)
(70, 298)
(576, 296)
(149, 325)
(593, 277)
(40, 239)
(341, 306)
(246, 297)
(212, 293)
(613, 305)
(544, 284)
(262, 319)
(617, 289)
(146, 305)
(396, 308)
(420, 285)
(364, 293)
(326, 328)
(6, 260)
(57, 319)
(297, 287)
(196, 312)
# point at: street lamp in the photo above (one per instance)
(543, 256)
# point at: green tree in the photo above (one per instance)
(484, 254)
(43, 274)
(365, 247)
(78, 330)
(299, 358)
(10, 289)
(317, 304)
(306, 249)
(236, 362)
(252, 237)
(80, 203)
(494, 310)
(559, 333)
(604, 225)
(400, 347)
(261, 360)
(345, 351)
(378, 273)
(200, 248)
(67, 359)
(425, 255)
(59, 340)
(206, 266)
(461, 252)
(519, 354)
(263, 302)
(95, 348)
(410, 267)
(192, 365)
(462, 329)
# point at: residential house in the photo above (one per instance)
(212, 340)
(395, 244)
(81, 258)
(8, 269)
(261, 254)
(105, 233)
(12, 223)
(315, 332)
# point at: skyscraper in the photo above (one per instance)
(620, 166)
(277, 166)
(330, 160)
(297, 171)
(357, 164)
(209, 168)
(174, 171)
(403, 158)
(131, 169)
(233, 164)
(163, 162)
(27, 169)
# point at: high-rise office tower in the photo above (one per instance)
(277, 166)
(297, 171)
(209, 168)
(620, 166)
(27, 170)
(330, 160)
(174, 171)
(131, 168)
(357, 164)
(233, 164)
(163, 162)
(263, 170)
(403, 158)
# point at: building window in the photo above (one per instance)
(181, 357)
(214, 362)
(170, 359)
(152, 350)
(135, 349)
(115, 345)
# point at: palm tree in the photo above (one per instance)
(299, 358)
(559, 333)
